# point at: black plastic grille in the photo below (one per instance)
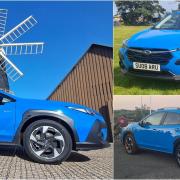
(157, 58)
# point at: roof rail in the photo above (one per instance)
(169, 108)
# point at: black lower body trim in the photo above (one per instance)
(86, 146)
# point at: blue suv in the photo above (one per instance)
(160, 131)
(49, 130)
(154, 52)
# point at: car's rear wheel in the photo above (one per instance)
(177, 154)
(46, 141)
(130, 144)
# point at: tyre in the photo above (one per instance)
(46, 141)
(130, 144)
(177, 154)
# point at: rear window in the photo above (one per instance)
(172, 118)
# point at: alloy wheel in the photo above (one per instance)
(47, 142)
(129, 144)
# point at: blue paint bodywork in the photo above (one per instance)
(11, 116)
(151, 38)
(162, 137)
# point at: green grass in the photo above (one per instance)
(124, 85)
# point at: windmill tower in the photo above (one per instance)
(8, 69)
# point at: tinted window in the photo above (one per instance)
(154, 119)
(172, 118)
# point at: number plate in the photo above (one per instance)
(146, 66)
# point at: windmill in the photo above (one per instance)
(8, 48)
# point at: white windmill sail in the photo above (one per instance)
(9, 68)
(18, 31)
(23, 48)
(3, 18)
(7, 47)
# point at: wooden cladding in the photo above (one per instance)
(90, 83)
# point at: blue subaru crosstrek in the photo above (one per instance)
(160, 131)
(154, 52)
(49, 130)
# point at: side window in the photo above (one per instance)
(154, 119)
(172, 118)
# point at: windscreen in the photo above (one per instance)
(170, 22)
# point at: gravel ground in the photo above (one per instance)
(144, 165)
(83, 164)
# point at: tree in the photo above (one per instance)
(140, 12)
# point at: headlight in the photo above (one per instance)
(84, 110)
(178, 49)
(124, 45)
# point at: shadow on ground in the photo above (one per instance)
(18, 151)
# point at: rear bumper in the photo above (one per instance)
(91, 146)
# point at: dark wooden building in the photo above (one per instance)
(90, 83)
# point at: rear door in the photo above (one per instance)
(168, 131)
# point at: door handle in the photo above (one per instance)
(154, 129)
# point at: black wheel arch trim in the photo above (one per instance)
(38, 114)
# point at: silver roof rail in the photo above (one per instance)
(169, 108)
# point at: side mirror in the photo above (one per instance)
(141, 123)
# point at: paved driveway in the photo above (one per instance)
(89, 164)
(144, 165)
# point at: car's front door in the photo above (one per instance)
(147, 133)
(7, 118)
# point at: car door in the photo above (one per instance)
(7, 118)
(147, 131)
(168, 131)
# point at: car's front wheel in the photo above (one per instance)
(130, 144)
(177, 154)
(46, 141)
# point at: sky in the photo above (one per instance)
(168, 5)
(155, 101)
(67, 29)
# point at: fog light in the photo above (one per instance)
(103, 134)
(121, 64)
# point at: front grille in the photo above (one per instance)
(156, 57)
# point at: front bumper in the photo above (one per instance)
(96, 139)
(166, 72)
(146, 74)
